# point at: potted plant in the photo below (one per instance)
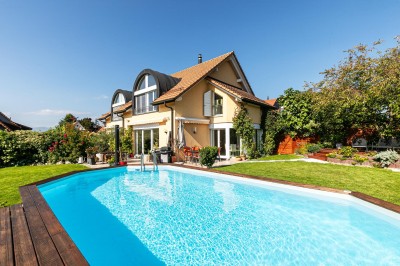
(111, 161)
(91, 155)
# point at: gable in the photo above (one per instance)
(226, 73)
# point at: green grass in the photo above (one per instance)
(280, 157)
(12, 178)
(380, 183)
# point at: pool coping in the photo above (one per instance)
(379, 202)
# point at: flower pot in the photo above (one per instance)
(91, 161)
(123, 163)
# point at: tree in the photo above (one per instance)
(361, 94)
(88, 124)
(296, 115)
(69, 118)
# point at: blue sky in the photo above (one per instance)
(70, 56)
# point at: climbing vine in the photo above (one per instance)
(243, 125)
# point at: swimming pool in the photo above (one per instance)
(173, 216)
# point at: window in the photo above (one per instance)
(145, 94)
(118, 101)
(146, 140)
(212, 104)
(217, 104)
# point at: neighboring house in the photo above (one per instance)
(199, 101)
(78, 126)
(273, 102)
(8, 125)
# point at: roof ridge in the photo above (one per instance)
(223, 55)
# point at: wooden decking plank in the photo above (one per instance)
(24, 253)
(46, 251)
(6, 244)
(67, 249)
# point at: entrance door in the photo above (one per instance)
(218, 137)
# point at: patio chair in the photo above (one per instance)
(195, 154)
(187, 152)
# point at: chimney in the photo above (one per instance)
(199, 59)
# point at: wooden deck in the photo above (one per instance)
(30, 234)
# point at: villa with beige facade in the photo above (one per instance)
(198, 102)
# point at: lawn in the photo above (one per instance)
(380, 183)
(12, 178)
(280, 157)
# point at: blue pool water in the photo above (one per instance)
(179, 217)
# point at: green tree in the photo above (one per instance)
(88, 124)
(361, 93)
(296, 114)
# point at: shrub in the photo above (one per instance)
(301, 150)
(372, 153)
(332, 154)
(313, 147)
(359, 158)
(386, 158)
(347, 151)
(269, 143)
(208, 155)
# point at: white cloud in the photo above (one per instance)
(51, 112)
(101, 97)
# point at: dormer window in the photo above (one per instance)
(118, 101)
(145, 93)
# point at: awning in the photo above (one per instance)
(190, 120)
(147, 121)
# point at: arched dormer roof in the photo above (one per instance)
(164, 82)
(127, 95)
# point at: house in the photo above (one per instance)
(8, 125)
(199, 101)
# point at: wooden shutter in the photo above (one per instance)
(207, 103)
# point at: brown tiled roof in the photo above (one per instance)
(237, 92)
(104, 116)
(271, 102)
(10, 125)
(123, 107)
(189, 77)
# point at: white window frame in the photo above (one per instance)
(146, 91)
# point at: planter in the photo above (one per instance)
(123, 163)
(91, 161)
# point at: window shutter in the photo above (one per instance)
(207, 103)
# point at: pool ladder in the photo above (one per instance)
(142, 167)
(155, 163)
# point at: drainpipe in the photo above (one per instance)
(172, 123)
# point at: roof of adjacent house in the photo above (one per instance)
(7, 124)
(104, 116)
(272, 102)
(237, 92)
(189, 77)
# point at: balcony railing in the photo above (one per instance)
(146, 109)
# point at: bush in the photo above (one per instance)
(386, 158)
(302, 150)
(347, 151)
(208, 155)
(313, 147)
(332, 154)
(360, 159)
